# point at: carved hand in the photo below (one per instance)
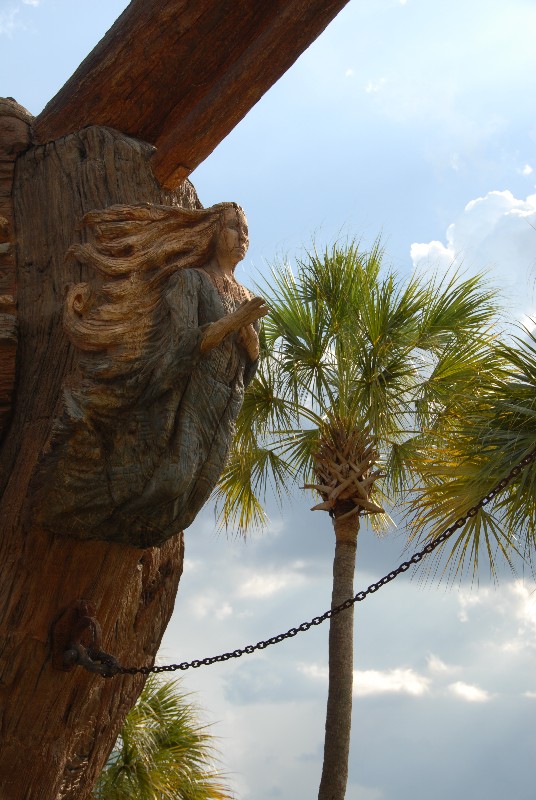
(247, 313)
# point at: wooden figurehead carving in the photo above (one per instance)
(165, 346)
(116, 359)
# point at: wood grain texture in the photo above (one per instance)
(181, 75)
(15, 136)
(56, 728)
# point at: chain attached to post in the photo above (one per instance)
(109, 667)
(76, 639)
(96, 661)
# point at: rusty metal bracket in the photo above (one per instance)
(76, 640)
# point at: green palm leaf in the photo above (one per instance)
(347, 339)
(163, 752)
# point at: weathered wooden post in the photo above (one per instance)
(62, 719)
(161, 76)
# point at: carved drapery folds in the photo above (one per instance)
(146, 418)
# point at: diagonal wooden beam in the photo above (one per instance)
(181, 74)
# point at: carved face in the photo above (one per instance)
(233, 240)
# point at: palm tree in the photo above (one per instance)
(162, 752)
(357, 366)
(471, 452)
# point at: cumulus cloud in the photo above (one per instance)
(514, 604)
(204, 605)
(314, 671)
(399, 681)
(468, 599)
(372, 681)
(437, 666)
(496, 234)
(264, 585)
(469, 692)
(525, 602)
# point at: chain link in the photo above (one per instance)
(359, 597)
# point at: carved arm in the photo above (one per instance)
(247, 313)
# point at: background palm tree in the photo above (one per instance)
(473, 450)
(357, 367)
(163, 752)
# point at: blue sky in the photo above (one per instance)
(415, 120)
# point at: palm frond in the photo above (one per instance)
(241, 492)
(163, 752)
(417, 363)
(474, 449)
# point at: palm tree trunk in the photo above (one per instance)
(341, 665)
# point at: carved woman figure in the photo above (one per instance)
(168, 342)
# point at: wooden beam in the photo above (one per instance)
(181, 74)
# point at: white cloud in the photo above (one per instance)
(315, 671)
(469, 692)
(514, 603)
(191, 565)
(371, 681)
(532, 695)
(398, 681)
(373, 87)
(435, 664)
(9, 18)
(224, 611)
(299, 564)
(495, 233)
(8, 21)
(202, 606)
(349, 73)
(527, 170)
(520, 604)
(263, 585)
(468, 599)
(526, 611)
(211, 605)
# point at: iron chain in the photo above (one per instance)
(359, 597)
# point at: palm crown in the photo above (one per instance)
(357, 369)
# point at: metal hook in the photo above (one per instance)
(96, 661)
(76, 640)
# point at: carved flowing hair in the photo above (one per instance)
(135, 249)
